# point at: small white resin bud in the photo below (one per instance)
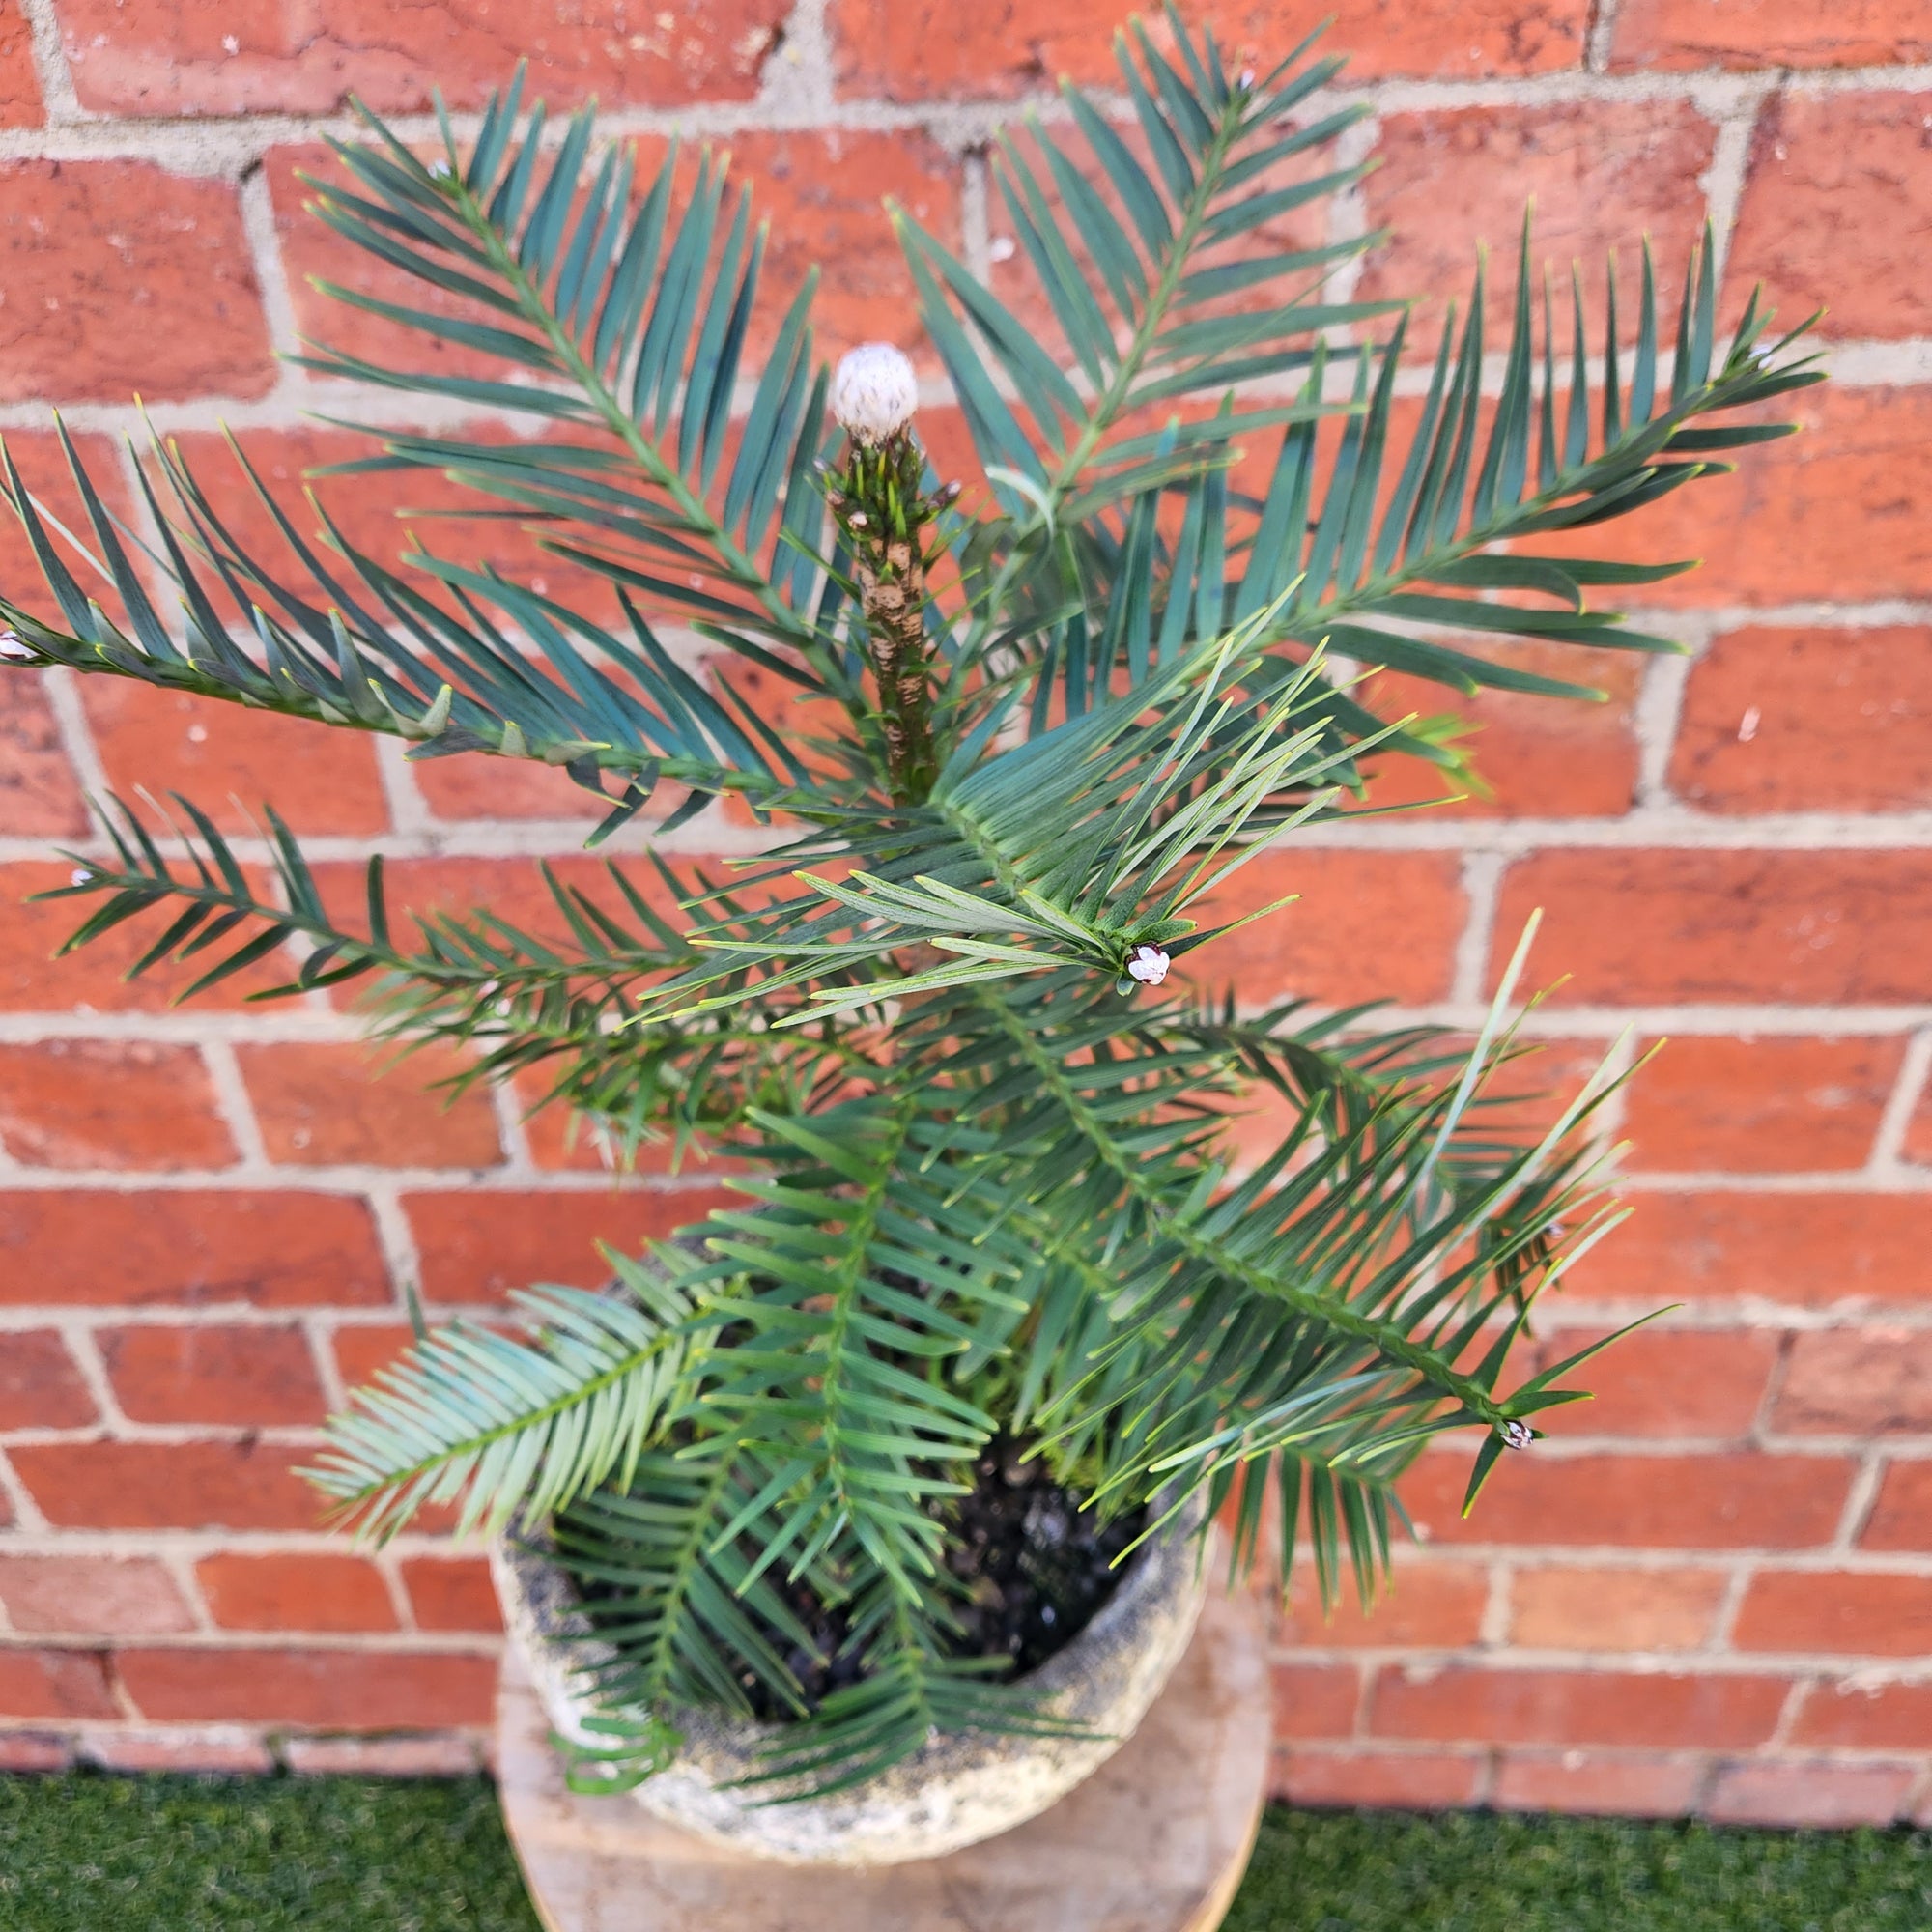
(1149, 965)
(874, 392)
(1516, 1434)
(12, 646)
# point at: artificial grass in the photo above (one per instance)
(1380, 1871)
(93, 1854)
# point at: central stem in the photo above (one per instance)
(884, 507)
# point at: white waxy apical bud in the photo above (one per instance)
(1149, 965)
(1516, 1434)
(14, 646)
(874, 392)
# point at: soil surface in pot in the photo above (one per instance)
(1032, 1567)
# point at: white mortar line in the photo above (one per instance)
(1863, 1495)
(84, 1347)
(62, 687)
(797, 81)
(20, 1506)
(1889, 1143)
(1482, 884)
(1599, 35)
(50, 67)
(233, 1104)
(1660, 707)
(398, 1243)
(1723, 182)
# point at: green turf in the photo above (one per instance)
(1477, 1872)
(91, 1853)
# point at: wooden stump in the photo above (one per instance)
(1156, 1840)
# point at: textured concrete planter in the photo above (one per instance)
(960, 1789)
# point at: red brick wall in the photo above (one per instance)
(1713, 1588)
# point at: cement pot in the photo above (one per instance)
(959, 1789)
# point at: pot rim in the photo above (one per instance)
(525, 1559)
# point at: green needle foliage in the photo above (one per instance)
(986, 1188)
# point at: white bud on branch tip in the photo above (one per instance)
(1516, 1434)
(12, 646)
(1149, 965)
(874, 392)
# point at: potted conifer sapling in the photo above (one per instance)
(863, 1518)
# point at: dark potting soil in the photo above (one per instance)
(1031, 1565)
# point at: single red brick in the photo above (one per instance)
(363, 1348)
(180, 58)
(233, 761)
(478, 1246)
(1813, 156)
(38, 797)
(1809, 1250)
(1315, 1700)
(121, 276)
(39, 1386)
(319, 1689)
(1821, 1797)
(452, 1593)
(1771, 1104)
(1768, 34)
(1597, 1784)
(1838, 512)
(564, 1141)
(34, 1750)
(33, 979)
(1632, 928)
(1402, 910)
(445, 1755)
(1613, 1607)
(1858, 1382)
(384, 514)
(471, 785)
(1430, 1605)
(218, 1374)
(104, 1596)
(20, 85)
(1661, 1382)
(1596, 171)
(313, 254)
(1858, 1715)
(918, 51)
(190, 1752)
(194, 1247)
(168, 1485)
(1727, 1501)
(322, 1102)
(295, 1592)
(1842, 1612)
(1820, 719)
(54, 1684)
(1918, 1146)
(1902, 1518)
(822, 189)
(1461, 1703)
(1538, 758)
(1411, 1781)
(511, 889)
(48, 476)
(89, 1103)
